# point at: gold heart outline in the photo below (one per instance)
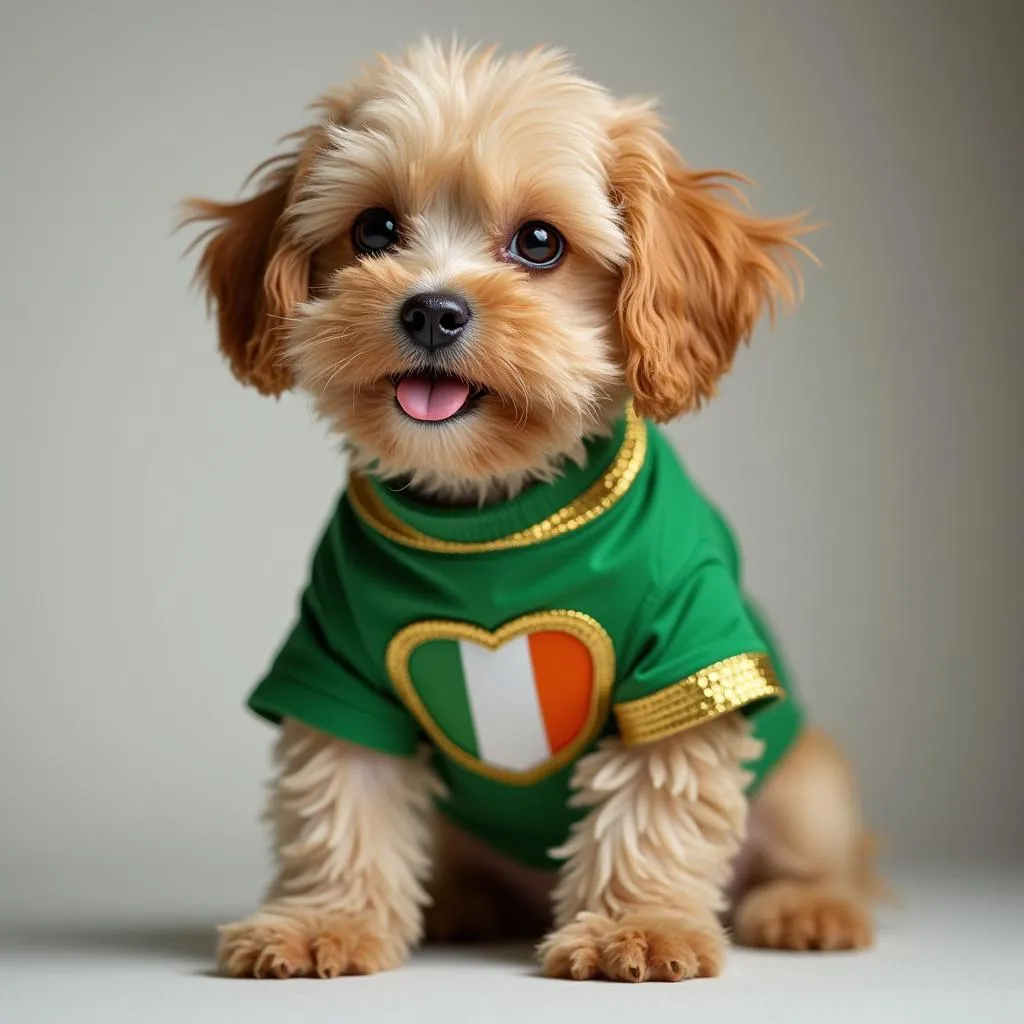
(577, 624)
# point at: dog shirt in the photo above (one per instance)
(511, 638)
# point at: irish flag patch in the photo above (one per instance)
(514, 705)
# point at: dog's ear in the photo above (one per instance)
(700, 272)
(253, 271)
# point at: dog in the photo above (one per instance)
(525, 693)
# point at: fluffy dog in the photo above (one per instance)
(473, 264)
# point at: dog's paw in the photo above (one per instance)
(294, 943)
(791, 915)
(638, 947)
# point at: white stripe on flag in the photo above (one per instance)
(503, 701)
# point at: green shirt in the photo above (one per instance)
(511, 638)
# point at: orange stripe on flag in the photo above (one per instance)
(564, 675)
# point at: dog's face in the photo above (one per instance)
(473, 261)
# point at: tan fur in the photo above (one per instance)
(806, 880)
(662, 279)
(664, 276)
(701, 274)
(353, 850)
(655, 850)
(802, 916)
(254, 272)
(803, 879)
(635, 947)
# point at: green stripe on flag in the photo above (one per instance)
(436, 671)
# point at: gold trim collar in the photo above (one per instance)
(593, 502)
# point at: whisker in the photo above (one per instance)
(286, 319)
(340, 366)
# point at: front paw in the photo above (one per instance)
(290, 942)
(636, 947)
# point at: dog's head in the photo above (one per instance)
(473, 261)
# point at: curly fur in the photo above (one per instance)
(665, 275)
(664, 823)
(353, 850)
(662, 279)
(646, 869)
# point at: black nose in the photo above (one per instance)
(433, 319)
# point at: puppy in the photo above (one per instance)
(525, 692)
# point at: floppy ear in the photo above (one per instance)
(253, 271)
(700, 272)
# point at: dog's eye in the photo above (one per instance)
(537, 245)
(374, 231)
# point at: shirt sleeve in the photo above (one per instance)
(323, 674)
(700, 656)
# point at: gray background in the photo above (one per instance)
(156, 518)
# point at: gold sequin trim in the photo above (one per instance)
(586, 629)
(593, 502)
(713, 691)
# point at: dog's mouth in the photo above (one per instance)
(435, 398)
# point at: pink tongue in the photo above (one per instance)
(425, 399)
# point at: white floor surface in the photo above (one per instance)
(953, 952)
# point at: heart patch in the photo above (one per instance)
(515, 705)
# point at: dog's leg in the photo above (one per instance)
(804, 881)
(641, 893)
(353, 837)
